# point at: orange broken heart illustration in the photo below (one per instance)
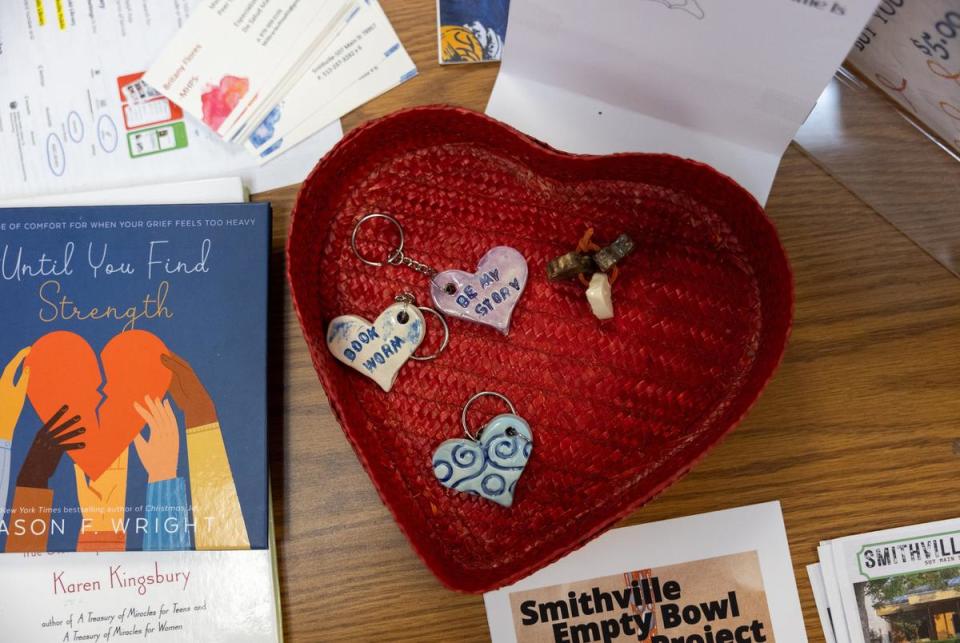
(64, 369)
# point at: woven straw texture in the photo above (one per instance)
(619, 409)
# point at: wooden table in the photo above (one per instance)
(857, 431)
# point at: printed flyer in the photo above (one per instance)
(79, 116)
(662, 583)
(901, 585)
(910, 49)
(133, 378)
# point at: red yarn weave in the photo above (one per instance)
(619, 409)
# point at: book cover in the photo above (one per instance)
(133, 382)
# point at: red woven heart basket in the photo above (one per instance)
(619, 409)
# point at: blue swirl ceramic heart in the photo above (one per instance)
(491, 466)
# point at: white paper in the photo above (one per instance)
(225, 190)
(62, 100)
(815, 575)
(726, 83)
(903, 555)
(51, 598)
(756, 528)
(356, 63)
(832, 589)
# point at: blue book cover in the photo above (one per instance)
(133, 384)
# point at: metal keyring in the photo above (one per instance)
(446, 336)
(466, 407)
(393, 256)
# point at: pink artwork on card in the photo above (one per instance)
(219, 101)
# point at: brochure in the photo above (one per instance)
(900, 584)
(815, 574)
(662, 582)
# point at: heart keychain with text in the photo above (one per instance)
(378, 349)
(487, 296)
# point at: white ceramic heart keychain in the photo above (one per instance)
(490, 462)
(487, 296)
(380, 348)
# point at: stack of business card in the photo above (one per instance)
(268, 74)
(897, 585)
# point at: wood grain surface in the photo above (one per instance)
(857, 431)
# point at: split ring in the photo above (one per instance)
(466, 407)
(395, 255)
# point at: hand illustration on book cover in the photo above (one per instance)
(13, 395)
(211, 481)
(166, 492)
(103, 504)
(32, 498)
(139, 372)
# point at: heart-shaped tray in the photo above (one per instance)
(619, 409)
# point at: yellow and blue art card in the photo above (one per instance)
(133, 378)
(471, 31)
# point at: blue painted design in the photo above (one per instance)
(273, 148)
(392, 50)
(107, 134)
(267, 127)
(407, 76)
(490, 467)
(380, 348)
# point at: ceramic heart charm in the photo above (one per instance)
(488, 467)
(487, 296)
(378, 349)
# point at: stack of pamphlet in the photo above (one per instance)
(269, 74)
(893, 586)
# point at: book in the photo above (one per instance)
(133, 382)
(899, 584)
(662, 582)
